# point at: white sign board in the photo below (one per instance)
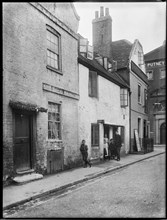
(137, 140)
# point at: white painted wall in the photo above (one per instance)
(105, 107)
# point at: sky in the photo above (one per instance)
(145, 21)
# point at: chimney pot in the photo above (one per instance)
(96, 14)
(101, 11)
(107, 12)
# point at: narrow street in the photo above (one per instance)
(135, 191)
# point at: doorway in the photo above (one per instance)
(106, 130)
(22, 141)
(163, 133)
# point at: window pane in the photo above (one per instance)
(48, 35)
(48, 61)
(52, 62)
(49, 134)
(162, 74)
(49, 115)
(57, 117)
(52, 37)
(52, 47)
(56, 49)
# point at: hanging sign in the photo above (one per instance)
(137, 140)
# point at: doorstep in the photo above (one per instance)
(27, 178)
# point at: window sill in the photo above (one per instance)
(95, 146)
(54, 141)
(54, 70)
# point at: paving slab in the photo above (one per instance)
(14, 195)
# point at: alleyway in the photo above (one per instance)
(135, 191)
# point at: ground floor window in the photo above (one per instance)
(95, 134)
(122, 133)
(54, 121)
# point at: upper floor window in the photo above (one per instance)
(139, 94)
(163, 105)
(150, 75)
(140, 58)
(124, 97)
(53, 49)
(145, 101)
(162, 74)
(92, 87)
(54, 121)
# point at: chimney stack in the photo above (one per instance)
(96, 14)
(101, 11)
(107, 12)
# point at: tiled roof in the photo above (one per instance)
(121, 51)
(94, 65)
(156, 54)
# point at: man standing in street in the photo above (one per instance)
(118, 144)
(84, 152)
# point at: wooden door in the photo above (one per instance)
(22, 142)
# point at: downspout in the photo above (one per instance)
(130, 144)
(130, 122)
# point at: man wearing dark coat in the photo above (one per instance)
(118, 144)
(84, 152)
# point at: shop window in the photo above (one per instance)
(162, 74)
(54, 121)
(53, 49)
(92, 84)
(124, 97)
(150, 75)
(95, 134)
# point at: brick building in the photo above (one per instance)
(156, 72)
(128, 60)
(40, 87)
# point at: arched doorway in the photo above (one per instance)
(163, 133)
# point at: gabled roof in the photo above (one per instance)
(120, 52)
(156, 54)
(94, 65)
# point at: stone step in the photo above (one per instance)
(27, 178)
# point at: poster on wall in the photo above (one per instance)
(137, 140)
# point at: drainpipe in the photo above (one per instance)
(130, 149)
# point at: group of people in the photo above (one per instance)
(111, 149)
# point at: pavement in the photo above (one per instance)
(14, 195)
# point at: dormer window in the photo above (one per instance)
(99, 59)
(85, 49)
(109, 66)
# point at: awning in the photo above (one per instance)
(109, 123)
(26, 106)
